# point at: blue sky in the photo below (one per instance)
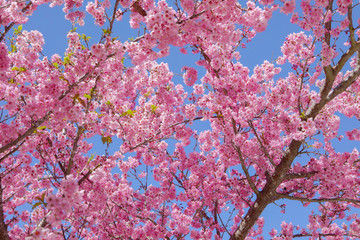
(265, 46)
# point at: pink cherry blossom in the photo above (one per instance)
(289, 7)
(119, 138)
(190, 75)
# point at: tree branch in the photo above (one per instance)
(328, 24)
(7, 28)
(3, 227)
(318, 200)
(344, 85)
(261, 145)
(12, 151)
(42, 223)
(251, 183)
(291, 176)
(326, 94)
(34, 126)
(74, 149)
(345, 57)
(351, 26)
(85, 177)
(268, 194)
(325, 235)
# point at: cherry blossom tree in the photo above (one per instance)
(270, 135)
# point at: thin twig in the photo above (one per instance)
(251, 183)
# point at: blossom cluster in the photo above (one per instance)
(110, 141)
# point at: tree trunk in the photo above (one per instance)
(3, 228)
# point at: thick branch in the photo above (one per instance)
(318, 200)
(252, 216)
(12, 151)
(345, 84)
(85, 76)
(3, 227)
(74, 149)
(326, 93)
(351, 26)
(40, 121)
(84, 177)
(27, 133)
(301, 235)
(292, 176)
(328, 24)
(268, 194)
(345, 57)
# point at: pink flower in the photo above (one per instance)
(4, 59)
(183, 50)
(190, 76)
(98, 50)
(289, 7)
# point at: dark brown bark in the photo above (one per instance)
(268, 194)
(3, 228)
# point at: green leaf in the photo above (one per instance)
(108, 103)
(87, 96)
(302, 116)
(106, 31)
(41, 128)
(90, 158)
(93, 90)
(83, 36)
(66, 60)
(128, 113)
(147, 94)
(18, 30)
(106, 140)
(21, 69)
(13, 48)
(73, 30)
(56, 64)
(153, 108)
